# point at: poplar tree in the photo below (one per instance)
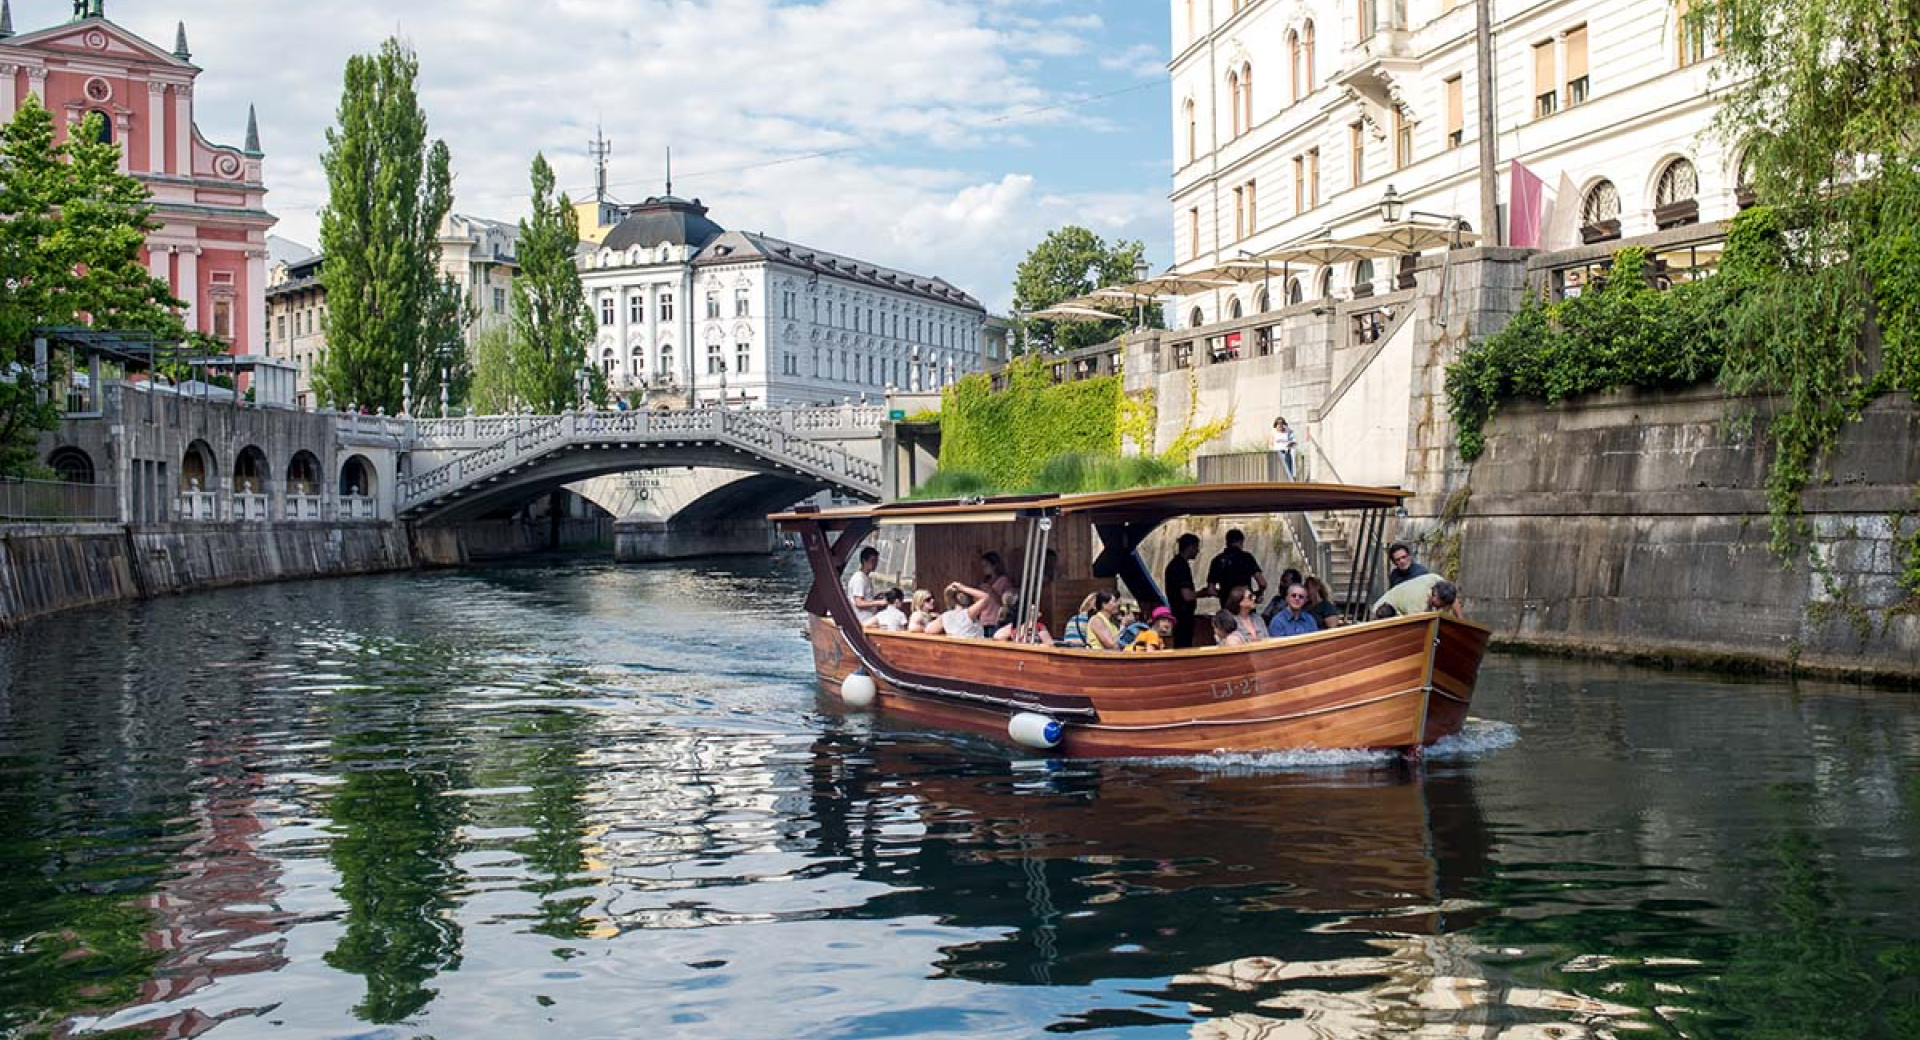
(71, 231)
(388, 192)
(552, 324)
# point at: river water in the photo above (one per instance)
(576, 800)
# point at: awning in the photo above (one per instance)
(1071, 312)
(1170, 283)
(1326, 252)
(1410, 237)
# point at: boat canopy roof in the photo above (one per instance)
(1139, 505)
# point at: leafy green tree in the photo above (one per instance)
(388, 191)
(552, 324)
(491, 390)
(444, 357)
(71, 230)
(1057, 269)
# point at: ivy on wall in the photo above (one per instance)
(1007, 437)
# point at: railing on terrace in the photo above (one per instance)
(199, 505)
(301, 507)
(1679, 255)
(57, 500)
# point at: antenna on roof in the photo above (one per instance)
(669, 169)
(599, 148)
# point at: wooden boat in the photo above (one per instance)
(1402, 683)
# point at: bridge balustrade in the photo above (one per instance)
(250, 506)
(199, 505)
(301, 507)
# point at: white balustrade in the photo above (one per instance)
(358, 507)
(198, 505)
(302, 507)
(251, 506)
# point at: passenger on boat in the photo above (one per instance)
(1159, 637)
(1226, 629)
(890, 618)
(1233, 566)
(1419, 595)
(1404, 568)
(962, 617)
(1288, 579)
(860, 586)
(1130, 624)
(1075, 635)
(923, 612)
(1104, 625)
(1239, 605)
(1383, 612)
(1320, 603)
(1293, 619)
(1182, 595)
(1011, 633)
(993, 578)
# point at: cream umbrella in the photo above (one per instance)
(1170, 283)
(1325, 252)
(1410, 237)
(1069, 311)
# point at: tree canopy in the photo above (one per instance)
(552, 324)
(388, 192)
(1057, 269)
(72, 228)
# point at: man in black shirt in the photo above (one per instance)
(1401, 558)
(1182, 596)
(1235, 567)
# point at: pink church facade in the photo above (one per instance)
(209, 200)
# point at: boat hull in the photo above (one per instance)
(1396, 684)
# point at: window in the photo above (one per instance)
(1313, 177)
(106, 126)
(1299, 185)
(1456, 113)
(1196, 319)
(1674, 195)
(742, 357)
(1356, 153)
(666, 307)
(1233, 103)
(740, 306)
(666, 362)
(1362, 277)
(1368, 18)
(1693, 37)
(499, 301)
(713, 304)
(606, 310)
(1294, 68)
(1239, 213)
(1546, 95)
(716, 362)
(636, 308)
(280, 327)
(1600, 213)
(1193, 133)
(1253, 209)
(1402, 139)
(1296, 293)
(1193, 231)
(1246, 97)
(1576, 66)
(843, 315)
(1306, 51)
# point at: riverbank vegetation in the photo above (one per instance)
(1816, 306)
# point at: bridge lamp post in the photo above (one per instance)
(1140, 273)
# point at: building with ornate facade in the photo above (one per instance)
(690, 309)
(1292, 118)
(209, 200)
(477, 253)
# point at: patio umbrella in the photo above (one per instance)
(1170, 283)
(1409, 237)
(1069, 312)
(1326, 252)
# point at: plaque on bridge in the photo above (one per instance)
(896, 415)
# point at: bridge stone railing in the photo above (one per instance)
(837, 422)
(772, 436)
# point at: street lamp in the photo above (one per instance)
(1392, 207)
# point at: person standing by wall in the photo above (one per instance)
(1284, 444)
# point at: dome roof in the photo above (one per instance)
(667, 220)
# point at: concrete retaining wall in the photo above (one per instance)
(1636, 523)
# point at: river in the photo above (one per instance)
(577, 800)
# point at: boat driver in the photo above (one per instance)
(860, 586)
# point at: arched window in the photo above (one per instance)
(303, 474)
(1294, 68)
(1296, 293)
(1195, 319)
(639, 362)
(1675, 201)
(1306, 49)
(1262, 303)
(1246, 97)
(1743, 180)
(1193, 133)
(1600, 213)
(1362, 277)
(1325, 288)
(1233, 101)
(250, 471)
(71, 465)
(357, 477)
(106, 126)
(666, 363)
(197, 468)
(1233, 308)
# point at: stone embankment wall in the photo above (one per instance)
(49, 568)
(1636, 524)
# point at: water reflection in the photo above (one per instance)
(553, 798)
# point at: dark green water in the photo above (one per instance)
(583, 801)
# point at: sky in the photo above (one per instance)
(942, 137)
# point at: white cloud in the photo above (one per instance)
(907, 93)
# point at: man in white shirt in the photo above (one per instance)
(860, 586)
(891, 619)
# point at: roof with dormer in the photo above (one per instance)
(736, 246)
(664, 220)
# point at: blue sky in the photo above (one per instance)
(955, 132)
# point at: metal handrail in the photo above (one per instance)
(23, 499)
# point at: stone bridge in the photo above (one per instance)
(466, 468)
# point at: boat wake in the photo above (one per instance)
(1478, 738)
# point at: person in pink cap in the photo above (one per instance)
(1159, 637)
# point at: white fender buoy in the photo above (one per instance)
(858, 690)
(1033, 730)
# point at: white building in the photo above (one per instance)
(1291, 119)
(479, 255)
(689, 308)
